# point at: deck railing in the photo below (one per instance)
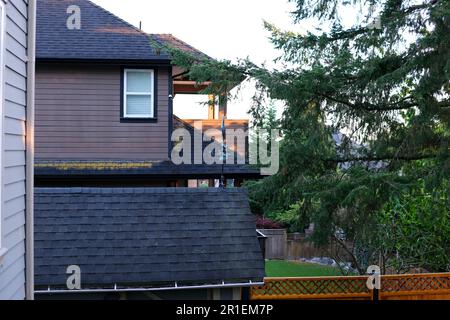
(238, 146)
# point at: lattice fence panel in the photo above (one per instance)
(416, 282)
(323, 287)
(411, 286)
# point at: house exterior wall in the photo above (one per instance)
(78, 116)
(12, 263)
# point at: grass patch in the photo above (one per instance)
(276, 268)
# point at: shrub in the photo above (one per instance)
(265, 223)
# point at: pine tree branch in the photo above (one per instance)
(352, 33)
(383, 158)
(371, 107)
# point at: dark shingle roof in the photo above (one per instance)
(103, 36)
(145, 237)
(155, 169)
(167, 39)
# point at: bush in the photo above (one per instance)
(264, 223)
(415, 231)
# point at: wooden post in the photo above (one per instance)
(211, 107)
(223, 106)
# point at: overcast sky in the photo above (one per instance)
(224, 29)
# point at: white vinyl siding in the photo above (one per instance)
(12, 128)
(138, 93)
(2, 72)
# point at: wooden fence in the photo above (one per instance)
(312, 288)
(393, 287)
(295, 246)
(275, 243)
(426, 286)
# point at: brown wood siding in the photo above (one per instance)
(78, 116)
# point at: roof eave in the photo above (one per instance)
(143, 289)
(163, 61)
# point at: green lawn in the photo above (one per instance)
(276, 268)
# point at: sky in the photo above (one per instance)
(223, 29)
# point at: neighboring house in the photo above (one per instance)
(104, 103)
(105, 185)
(17, 28)
(346, 146)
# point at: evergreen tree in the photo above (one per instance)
(384, 83)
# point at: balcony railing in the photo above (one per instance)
(236, 134)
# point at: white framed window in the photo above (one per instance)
(138, 93)
(2, 99)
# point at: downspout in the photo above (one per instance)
(171, 118)
(29, 222)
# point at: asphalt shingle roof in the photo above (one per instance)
(167, 39)
(145, 237)
(103, 36)
(67, 168)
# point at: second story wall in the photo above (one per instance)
(78, 116)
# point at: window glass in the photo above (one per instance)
(139, 82)
(139, 105)
(138, 93)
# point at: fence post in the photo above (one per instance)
(262, 238)
(376, 294)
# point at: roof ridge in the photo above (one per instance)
(117, 17)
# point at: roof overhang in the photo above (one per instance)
(127, 171)
(189, 87)
(154, 62)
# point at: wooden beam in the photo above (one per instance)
(188, 87)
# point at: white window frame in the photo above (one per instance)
(149, 115)
(2, 102)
